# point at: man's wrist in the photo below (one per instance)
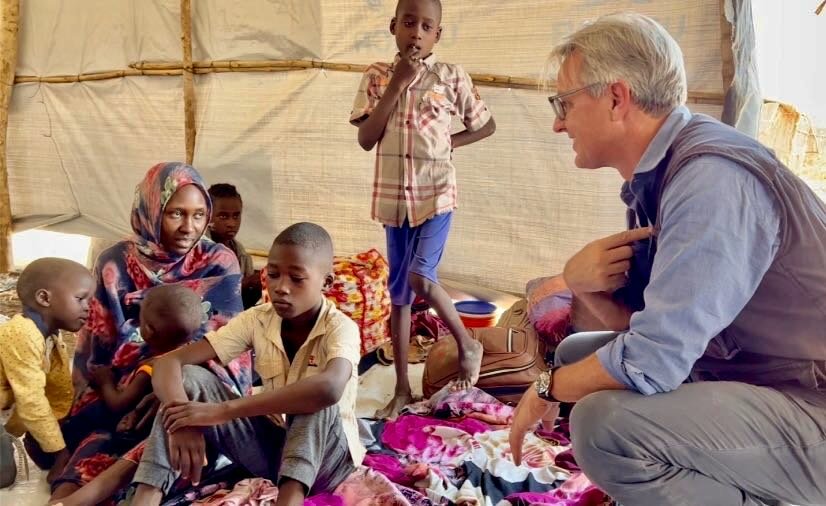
(577, 289)
(544, 385)
(571, 286)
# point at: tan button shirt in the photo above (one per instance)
(414, 176)
(333, 336)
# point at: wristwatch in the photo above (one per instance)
(543, 385)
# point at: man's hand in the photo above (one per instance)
(528, 412)
(601, 265)
(101, 375)
(405, 71)
(187, 453)
(178, 415)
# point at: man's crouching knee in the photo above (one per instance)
(601, 434)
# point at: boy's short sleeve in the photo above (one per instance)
(234, 338)
(344, 341)
(367, 97)
(470, 107)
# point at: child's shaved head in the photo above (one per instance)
(435, 3)
(308, 236)
(173, 312)
(58, 290)
(298, 268)
(46, 273)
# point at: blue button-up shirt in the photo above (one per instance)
(719, 235)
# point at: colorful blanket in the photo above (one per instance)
(451, 449)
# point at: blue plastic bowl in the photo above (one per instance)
(475, 307)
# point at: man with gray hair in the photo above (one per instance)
(713, 389)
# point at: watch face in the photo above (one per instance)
(542, 383)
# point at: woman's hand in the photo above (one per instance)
(146, 410)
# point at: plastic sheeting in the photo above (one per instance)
(77, 150)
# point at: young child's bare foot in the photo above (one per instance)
(63, 491)
(470, 363)
(69, 496)
(391, 411)
(67, 501)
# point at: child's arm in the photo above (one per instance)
(186, 448)
(372, 128)
(466, 137)
(308, 395)
(167, 379)
(120, 401)
(474, 113)
(231, 340)
(22, 363)
(102, 487)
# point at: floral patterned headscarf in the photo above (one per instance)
(151, 197)
(127, 270)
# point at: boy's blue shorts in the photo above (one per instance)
(415, 249)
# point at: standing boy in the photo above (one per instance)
(405, 110)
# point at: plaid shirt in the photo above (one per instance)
(414, 175)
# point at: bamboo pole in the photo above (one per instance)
(9, 24)
(189, 85)
(726, 49)
(258, 252)
(95, 76)
(218, 66)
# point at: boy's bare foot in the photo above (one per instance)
(290, 493)
(391, 411)
(470, 363)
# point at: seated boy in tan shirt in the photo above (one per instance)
(307, 354)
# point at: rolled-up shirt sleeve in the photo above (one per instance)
(719, 236)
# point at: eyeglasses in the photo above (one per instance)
(559, 105)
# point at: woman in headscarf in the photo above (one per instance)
(170, 215)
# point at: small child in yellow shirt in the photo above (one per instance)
(34, 367)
